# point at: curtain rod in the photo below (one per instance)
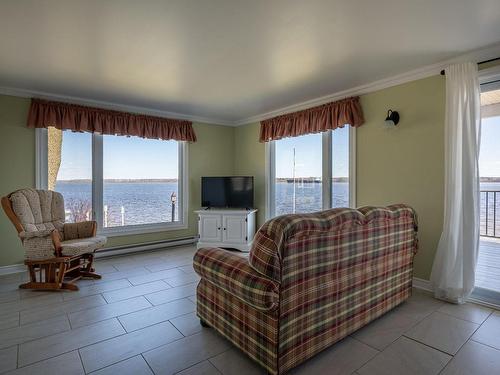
(479, 63)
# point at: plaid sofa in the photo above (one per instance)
(309, 281)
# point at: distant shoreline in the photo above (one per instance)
(281, 179)
(115, 180)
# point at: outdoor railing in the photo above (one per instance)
(489, 225)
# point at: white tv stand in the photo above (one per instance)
(227, 228)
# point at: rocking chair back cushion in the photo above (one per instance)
(39, 210)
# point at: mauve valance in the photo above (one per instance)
(318, 119)
(79, 118)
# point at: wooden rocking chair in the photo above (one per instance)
(57, 253)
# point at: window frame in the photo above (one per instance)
(327, 152)
(41, 182)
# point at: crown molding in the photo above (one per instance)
(399, 79)
(477, 55)
(23, 93)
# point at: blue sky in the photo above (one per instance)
(124, 157)
(133, 157)
(308, 152)
(489, 156)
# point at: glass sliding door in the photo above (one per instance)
(487, 281)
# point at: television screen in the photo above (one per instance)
(231, 192)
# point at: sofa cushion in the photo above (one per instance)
(266, 254)
(231, 272)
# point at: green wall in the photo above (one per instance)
(406, 164)
(393, 165)
(403, 164)
(17, 168)
(249, 160)
(211, 155)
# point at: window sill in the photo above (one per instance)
(141, 229)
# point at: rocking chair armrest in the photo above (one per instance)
(41, 245)
(81, 229)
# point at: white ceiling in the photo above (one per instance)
(229, 60)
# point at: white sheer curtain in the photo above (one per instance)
(454, 266)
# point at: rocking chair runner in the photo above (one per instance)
(54, 250)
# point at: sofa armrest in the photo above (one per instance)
(81, 229)
(232, 273)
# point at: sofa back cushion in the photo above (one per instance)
(329, 229)
(38, 209)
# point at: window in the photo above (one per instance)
(341, 168)
(140, 180)
(126, 184)
(298, 182)
(310, 172)
(70, 171)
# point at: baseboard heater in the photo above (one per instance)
(144, 246)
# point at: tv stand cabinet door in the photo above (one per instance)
(234, 229)
(210, 228)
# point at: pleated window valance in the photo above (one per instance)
(313, 120)
(65, 116)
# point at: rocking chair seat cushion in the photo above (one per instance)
(82, 246)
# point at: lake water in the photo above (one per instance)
(149, 202)
(142, 202)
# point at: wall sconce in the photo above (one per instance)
(392, 118)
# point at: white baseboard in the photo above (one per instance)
(115, 251)
(149, 246)
(422, 284)
(14, 268)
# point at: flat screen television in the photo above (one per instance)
(228, 192)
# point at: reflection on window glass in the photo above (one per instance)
(70, 171)
(340, 167)
(298, 185)
(141, 181)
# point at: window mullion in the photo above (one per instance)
(327, 170)
(182, 186)
(42, 168)
(352, 167)
(97, 179)
(270, 179)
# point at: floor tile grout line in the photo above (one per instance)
(196, 364)
(364, 343)
(112, 317)
(466, 341)
(17, 357)
(147, 363)
(39, 338)
(62, 313)
(430, 346)
(97, 293)
(69, 351)
(465, 320)
(482, 343)
(81, 361)
(141, 353)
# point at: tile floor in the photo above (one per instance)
(140, 319)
